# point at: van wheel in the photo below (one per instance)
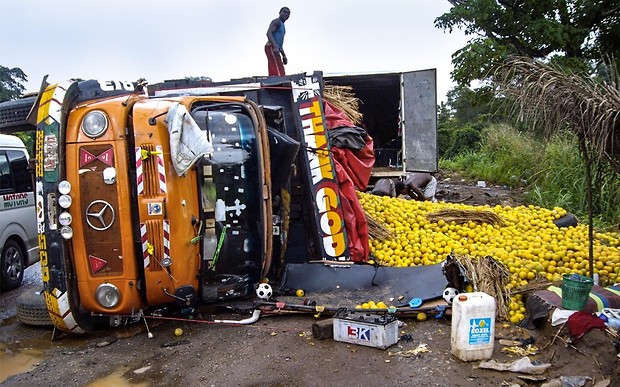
(31, 309)
(12, 265)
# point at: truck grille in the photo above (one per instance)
(154, 230)
(151, 172)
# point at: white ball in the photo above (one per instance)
(264, 291)
(449, 294)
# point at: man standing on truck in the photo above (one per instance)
(276, 58)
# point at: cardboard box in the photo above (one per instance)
(371, 330)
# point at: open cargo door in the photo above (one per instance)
(400, 114)
(419, 120)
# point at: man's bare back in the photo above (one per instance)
(419, 186)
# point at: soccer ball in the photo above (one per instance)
(264, 291)
(449, 294)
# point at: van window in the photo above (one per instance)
(14, 174)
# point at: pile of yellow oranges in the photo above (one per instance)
(529, 244)
(372, 305)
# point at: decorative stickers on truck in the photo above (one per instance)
(321, 173)
(47, 173)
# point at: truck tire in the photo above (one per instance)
(14, 114)
(31, 309)
(567, 220)
(11, 265)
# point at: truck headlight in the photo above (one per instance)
(64, 187)
(66, 232)
(65, 218)
(94, 124)
(108, 295)
(64, 201)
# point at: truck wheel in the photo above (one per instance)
(13, 114)
(11, 265)
(31, 309)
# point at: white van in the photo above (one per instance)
(18, 225)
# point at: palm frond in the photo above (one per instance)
(550, 100)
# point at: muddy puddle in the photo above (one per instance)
(14, 362)
(115, 379)
(21, 356)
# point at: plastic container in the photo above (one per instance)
(473, 326)
(575, 291)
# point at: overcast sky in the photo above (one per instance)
(221, 39)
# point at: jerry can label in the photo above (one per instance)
(479, 331)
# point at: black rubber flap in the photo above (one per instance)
(367, 282)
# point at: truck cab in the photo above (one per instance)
(181, 198)
(148, 201)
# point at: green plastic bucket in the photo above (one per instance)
(575, 291)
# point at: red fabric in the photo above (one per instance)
(357, 164)
(275, 65)
(335, 118)
(354, 217)
(353, 170)
(580, 323)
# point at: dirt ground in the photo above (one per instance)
(456, 189)
(281, 351)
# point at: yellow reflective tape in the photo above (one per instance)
(58, 322)
(599, 301)
(54, 311)
(52, 303)
(555, 290)
(42, 242)
(40, 137)
(46, 97)
(614, 291)
(43, 258)
(45, 274)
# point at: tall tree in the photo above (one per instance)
(577, 34)
(11, 83)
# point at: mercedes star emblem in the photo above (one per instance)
(102, 213)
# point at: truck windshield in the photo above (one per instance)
(230, 191)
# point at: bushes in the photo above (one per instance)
(453, 142)
(505, 157)
(553, 171)
(560, 181)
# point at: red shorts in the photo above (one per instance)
(274, 61)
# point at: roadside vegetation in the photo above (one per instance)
(551, 171)
(537, 102)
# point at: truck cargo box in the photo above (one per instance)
(400, 114)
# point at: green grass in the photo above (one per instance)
(552, 171)
(505, 157)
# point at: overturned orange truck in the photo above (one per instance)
(181, 198)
